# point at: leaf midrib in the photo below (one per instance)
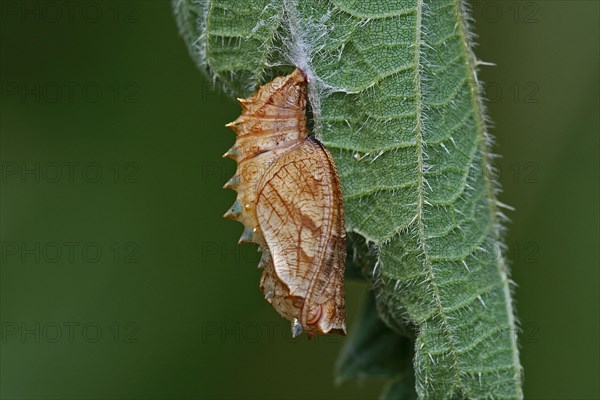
(421, 195)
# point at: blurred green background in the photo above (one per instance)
(119, 277)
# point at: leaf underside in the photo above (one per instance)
(395, 99)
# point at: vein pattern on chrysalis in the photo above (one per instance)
(290, 202)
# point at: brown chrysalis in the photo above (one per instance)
(290, 202)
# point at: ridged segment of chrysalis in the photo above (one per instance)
(290, 202)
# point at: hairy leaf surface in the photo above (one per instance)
(395, 98)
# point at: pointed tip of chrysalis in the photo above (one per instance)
(246, 236)
(244, 103)
(231, 153)
(232, 183)
(264, 259)
(296, 328)
(235, 125)
(235, 210)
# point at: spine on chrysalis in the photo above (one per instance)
(264, 130)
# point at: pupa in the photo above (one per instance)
(290, 202)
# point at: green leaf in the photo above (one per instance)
(395, 98)
(402, 389)
(359, 258)
(373, 350)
